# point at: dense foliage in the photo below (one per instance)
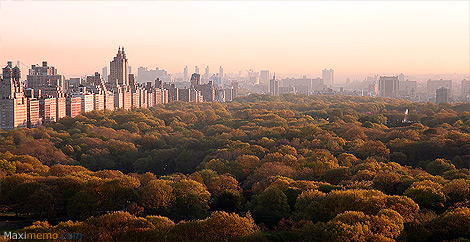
(261, 168)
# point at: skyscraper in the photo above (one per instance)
(274, 86)
(119, 68)
(442, 95)
(264, 77)
(432, 85)
(185, 74)
(388, 86)
(328, 77)
(104, 72)
(195, 80)
(13, 104)
(221, 76)
(44, 76)
(465, 90)
(401, 77)
(196, 70)
(206, 74)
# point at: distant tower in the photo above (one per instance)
(206, 74)
(196, 70)
(442, 95)
(401, 77)
(274, 86)
(264, 77)
(221, 75)
(328, 77)
(185, 74)
(7, 84)
(119, 68)
(388, 86)
(195, 80)
(104, 71)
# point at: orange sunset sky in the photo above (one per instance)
(296, 37)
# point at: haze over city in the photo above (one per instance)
(355, 38)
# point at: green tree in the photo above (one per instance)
(271, 206)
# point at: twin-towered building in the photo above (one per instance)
(48, 97)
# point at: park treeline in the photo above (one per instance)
(260, 168)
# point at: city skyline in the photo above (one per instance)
(355, 39)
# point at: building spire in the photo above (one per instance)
(119, 50)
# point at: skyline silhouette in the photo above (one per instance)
(356, 39)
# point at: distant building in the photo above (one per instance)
(401, 77)
(33, 117)
(48, 109)
(119, 68)
(304, 85)
(264, 77)
(86, 99)
(185, 74)
(373, 89)
(44, 76)
(388, 86)
(173, 93)
(408, 87)
(104, 71)
(207, 91)
(13, 103)
(328, 77)
(195, 80)
(432, 85)
(274, 86)
(442, 95)
(196, 69)
(465, 89)
(73, 106)
(283, 90)
(221, 76)
(235, 89)
(253, 77)
(206, 75)
(94, 80)
(144, 75)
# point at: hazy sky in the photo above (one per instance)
(304, 37)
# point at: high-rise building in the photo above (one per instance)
(407, 87)
(401, 77)
(465, 90)
(432, 85)
(94, 80)
(13, 103)
(196, 69)
(274, 86)
(253, 77)
(206, 74)
(328, 77)
(104, 71)
(235, 89)
(144, 75)
(388, 86)
(185, 74)
(195, 80)
(44, 76)
(373, 89)
(48, 109)
(73, 106)
(221, 76)
(264, 77)
(442, 95)
(119, 68)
